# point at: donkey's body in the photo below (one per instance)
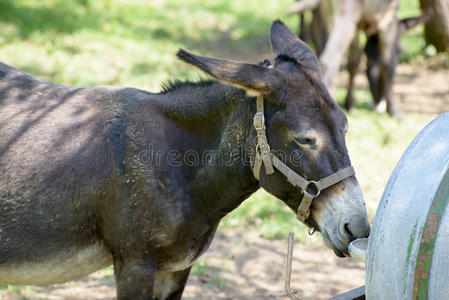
(84, 174)
(53, 172)
(90, 177)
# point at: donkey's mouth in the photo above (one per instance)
(340, 250)
(339, 253)
(341, 215)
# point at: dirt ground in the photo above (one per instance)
(418, 88)
(421, 89)
(242, 265)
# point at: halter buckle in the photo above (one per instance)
(259, 121)
(302, 216)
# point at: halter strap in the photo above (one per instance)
(310, 189)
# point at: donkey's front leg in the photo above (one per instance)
(134, 278)
(170, 285)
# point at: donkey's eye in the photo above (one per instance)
(305, 141)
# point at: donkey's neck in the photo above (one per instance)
(221, 117)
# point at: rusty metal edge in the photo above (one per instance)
(355, 294)
(428, 239)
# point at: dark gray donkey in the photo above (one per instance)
(94, 176)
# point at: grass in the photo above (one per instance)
(208, 274)
(201, 267)
(16, 289)
(412, 40)
(133, 42)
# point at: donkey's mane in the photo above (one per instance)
(198, 100)
(283, 57)
(172, 85)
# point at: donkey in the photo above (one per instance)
(335, 28)
(373, 68)
(94, 176)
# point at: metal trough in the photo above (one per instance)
(408, 249)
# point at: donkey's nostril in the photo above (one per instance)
(356, 228)
(349, 232)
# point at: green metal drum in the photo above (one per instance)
(408, 250)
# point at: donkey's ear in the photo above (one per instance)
(284, 42)
(256, 79)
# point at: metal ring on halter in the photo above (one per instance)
(314, 187)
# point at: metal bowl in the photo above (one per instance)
(357, 249)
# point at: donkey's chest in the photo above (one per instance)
(183, 254)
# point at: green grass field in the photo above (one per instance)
(133, 42)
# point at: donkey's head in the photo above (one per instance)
(305, 124)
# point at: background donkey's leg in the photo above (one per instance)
(373, 69)
(355, 53)
(134, 278)
(340, 38)
(389, 58)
